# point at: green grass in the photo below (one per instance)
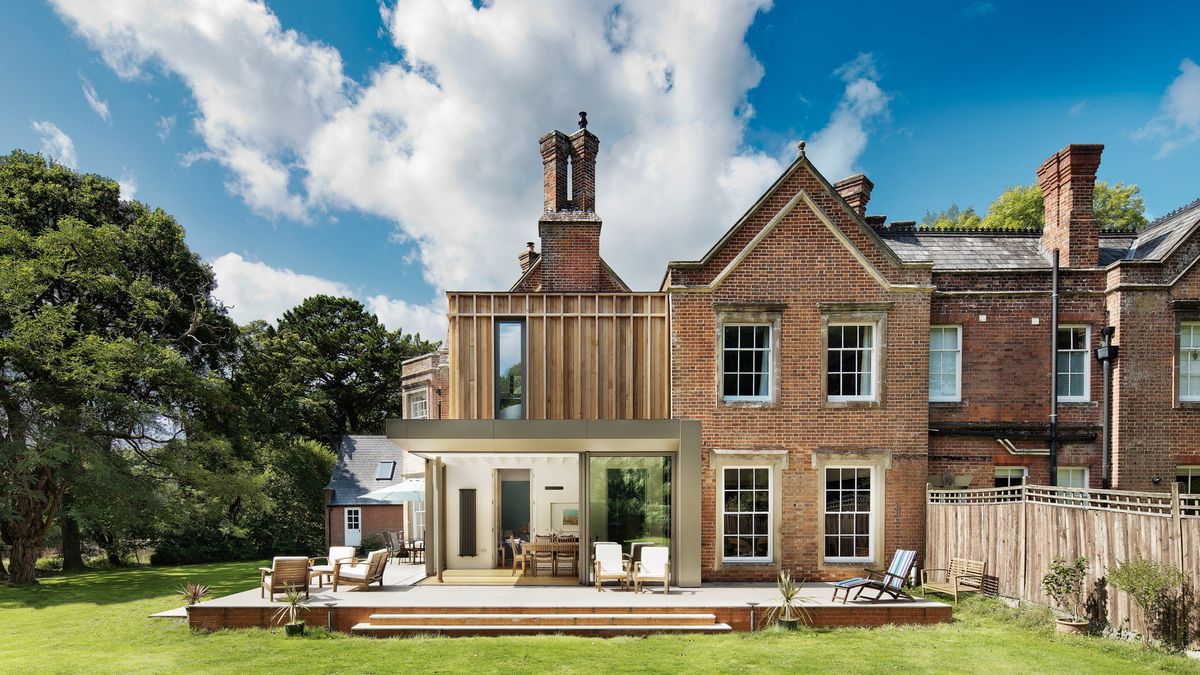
(97, 622)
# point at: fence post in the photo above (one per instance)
(1177, 524)
(1023, 535)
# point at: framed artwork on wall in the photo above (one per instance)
(564, 516)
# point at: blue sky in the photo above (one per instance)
(315, 146)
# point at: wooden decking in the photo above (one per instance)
(406, 607)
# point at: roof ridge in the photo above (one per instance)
(1171, 214)
(911, 227)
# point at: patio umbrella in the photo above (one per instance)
(408, 490)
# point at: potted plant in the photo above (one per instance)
(791, 610)
(192, 593)
(1064, 584)
(293, 602)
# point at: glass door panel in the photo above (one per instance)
(629, 500)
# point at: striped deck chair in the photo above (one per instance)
(890, 582)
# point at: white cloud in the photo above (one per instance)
(56, 144)
(835, 148)
(444, 143)
(1077, 109)
(129, 184)
(979, 9)
(428, 320)
(254, 290)
(165, 125)
(93, 99)
(1178, 121)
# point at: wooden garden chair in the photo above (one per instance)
(609, 565)
(890, 582)
(325, 570)
(361, 574)
(963, 576)
(290, 571)
(654, 566)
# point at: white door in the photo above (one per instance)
(353, 527)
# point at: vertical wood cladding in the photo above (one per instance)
(587, 355)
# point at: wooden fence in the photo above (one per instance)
(1019, 530)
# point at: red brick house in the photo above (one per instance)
(783, 402)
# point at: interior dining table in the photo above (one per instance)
(558, 550)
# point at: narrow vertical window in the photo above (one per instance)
(849, 513)
(945, 363)
(851, 365)
(510, 370)
(746, 362)
(746, 523)
(1073, 363)
(418, 513)
(1189, 361)
(1010, 476)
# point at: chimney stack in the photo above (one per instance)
(1068, 182)
(569, 227)
(856, 190)
(527, 257)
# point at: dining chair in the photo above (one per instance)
(541, 554)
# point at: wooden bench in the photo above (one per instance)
(963, 576)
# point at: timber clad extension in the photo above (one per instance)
(823, 367)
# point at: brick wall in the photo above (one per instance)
(796, 266)
(375, 520)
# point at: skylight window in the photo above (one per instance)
(385, 470)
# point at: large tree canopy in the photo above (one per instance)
(328, 368)
(1119, 208)
(110, 341)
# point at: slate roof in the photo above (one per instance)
(1022, 251)
(1161, 236)
(358, 458)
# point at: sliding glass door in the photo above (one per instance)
(629, 500)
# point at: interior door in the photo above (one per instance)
(353, 527)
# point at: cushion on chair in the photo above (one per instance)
(358, 571)
(654, 562)
(609, 558)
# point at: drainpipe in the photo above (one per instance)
(1106, 354)
(1054, 371)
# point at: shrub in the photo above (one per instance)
(373, 542)
(1157, 589)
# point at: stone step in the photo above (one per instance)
(540, 619)
(406, 630)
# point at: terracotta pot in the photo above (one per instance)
(1071, 626)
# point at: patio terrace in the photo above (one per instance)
(403, 607)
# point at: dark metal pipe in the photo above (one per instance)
(1106, 354)
(1054, 371)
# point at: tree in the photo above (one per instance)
(1118, 208)
(951, 218)
(111, 343)
(328, 368)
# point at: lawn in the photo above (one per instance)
(97, 622)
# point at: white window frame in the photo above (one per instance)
(413, 398)
(770, 374)
(958, 352)
(1193, 326)
(1087, 364)
(1192, 472)
(770, 515)
(874, 395)
(418, 519)
(1086, 476)
(873, 516)
(1024, 473)
(356, 512)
